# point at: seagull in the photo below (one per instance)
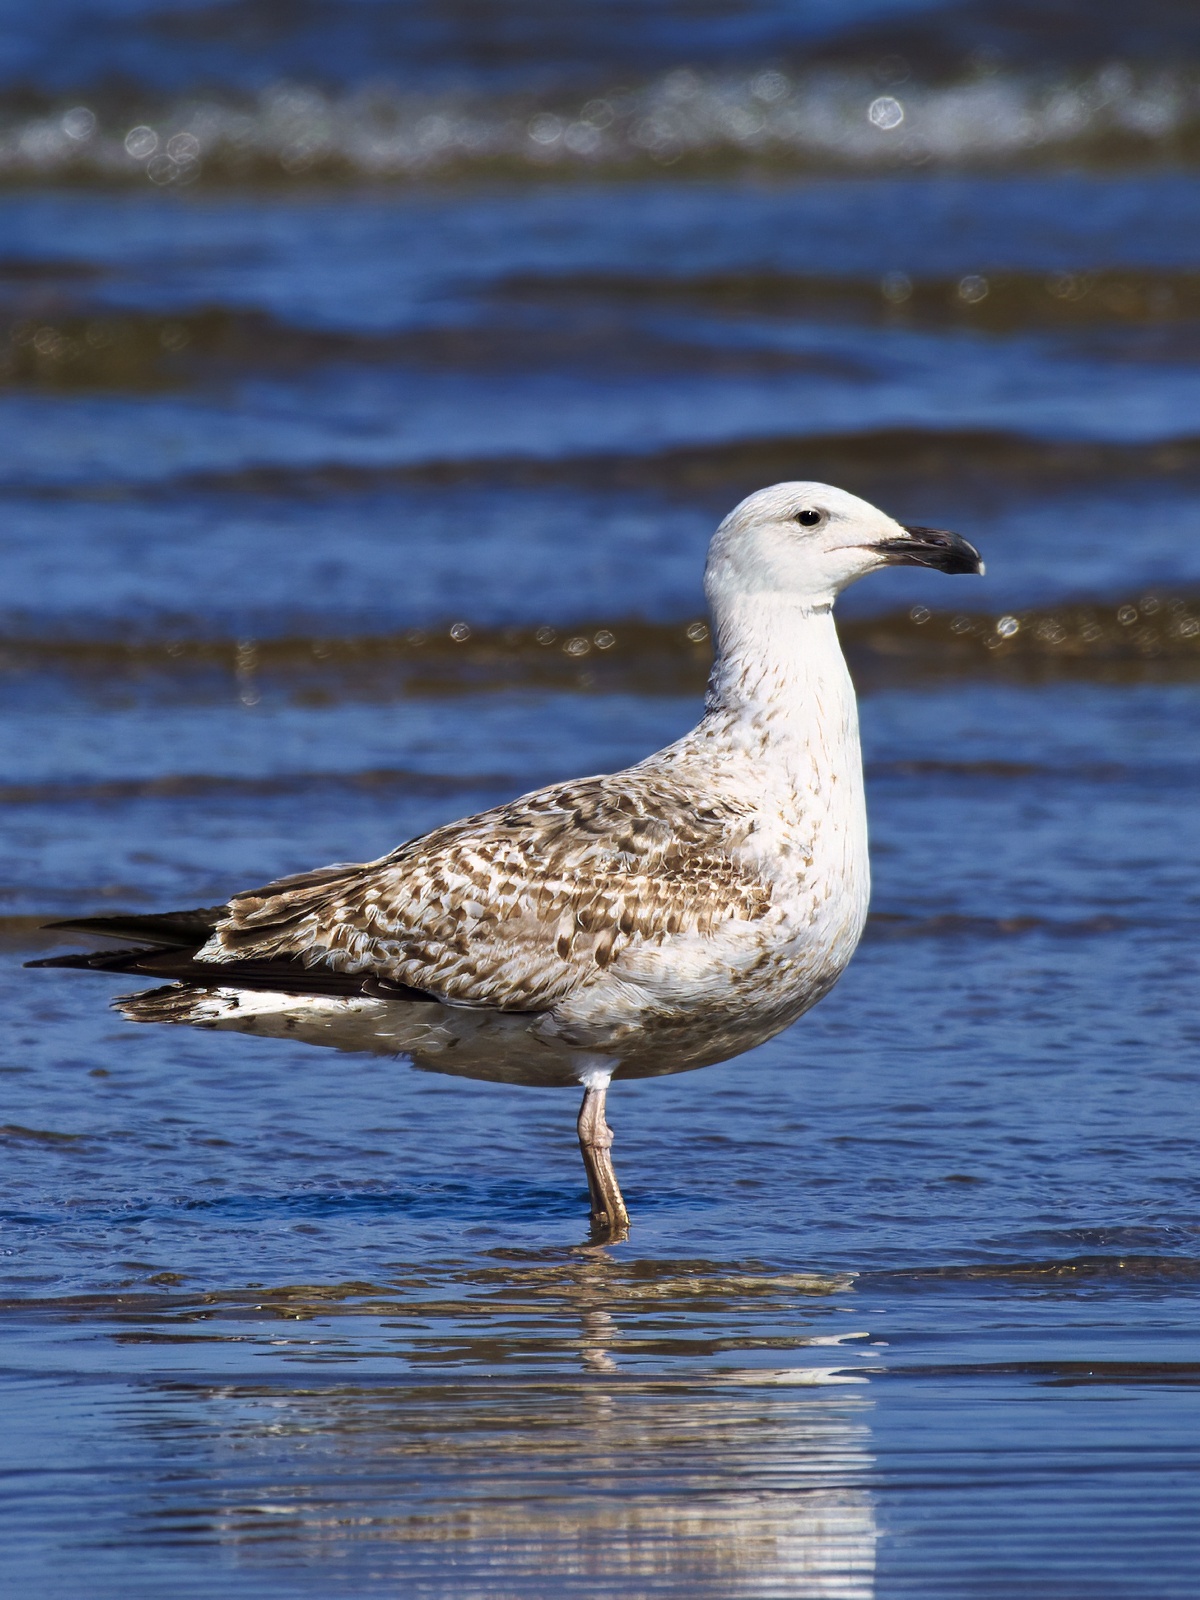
(631, 924)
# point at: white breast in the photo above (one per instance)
(781, 736)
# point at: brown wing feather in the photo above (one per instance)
(517, 906)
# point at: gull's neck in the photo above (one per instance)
(780, 731)
(779, 668)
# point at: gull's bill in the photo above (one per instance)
(932, 547)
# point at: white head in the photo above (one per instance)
(809, 540)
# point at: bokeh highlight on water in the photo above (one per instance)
(371, 378)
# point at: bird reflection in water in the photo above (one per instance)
(572, 1450)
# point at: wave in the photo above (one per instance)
(1150, 635)
(97, 348)
(1129, 1268)
(997, 301)
(525, 1279)
(813, 118)
(203, 785)
(860, 461)
(144, 352)
(539, 43)
(958, 926)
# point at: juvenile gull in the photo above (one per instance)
(640, 922)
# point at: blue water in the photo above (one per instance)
(482, 317)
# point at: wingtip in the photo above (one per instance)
(80, 924)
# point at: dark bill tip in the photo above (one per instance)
(932, 547)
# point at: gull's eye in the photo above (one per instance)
(809, 518)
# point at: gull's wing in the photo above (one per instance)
(516, 907)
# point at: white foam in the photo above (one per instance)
(820, 118)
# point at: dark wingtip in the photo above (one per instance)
(94, 960)
(169, 929)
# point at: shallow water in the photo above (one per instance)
(359, 460)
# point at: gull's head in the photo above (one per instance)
(809, 540)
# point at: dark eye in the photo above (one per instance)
(808, 519)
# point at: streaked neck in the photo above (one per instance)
(777, 660)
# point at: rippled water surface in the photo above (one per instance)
(371, 380)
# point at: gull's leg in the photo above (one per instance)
(609, 1216)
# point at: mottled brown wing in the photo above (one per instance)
(515, 907)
